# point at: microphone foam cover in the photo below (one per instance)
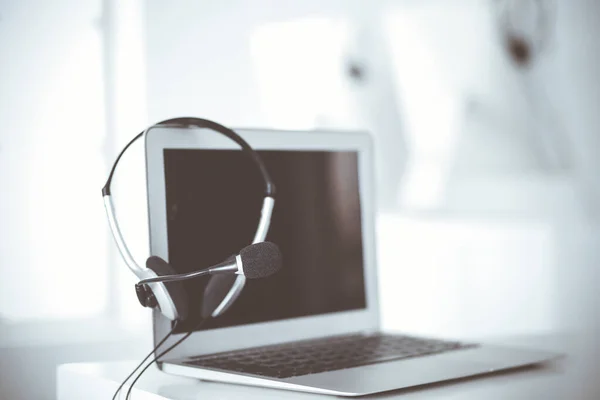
(260, 260)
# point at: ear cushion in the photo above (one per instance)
(175, 289)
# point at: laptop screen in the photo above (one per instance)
(213, 202)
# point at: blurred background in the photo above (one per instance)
(484, 115)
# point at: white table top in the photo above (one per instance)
(574, 377)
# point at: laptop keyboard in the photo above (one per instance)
(324, 354)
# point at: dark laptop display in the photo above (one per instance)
(213, 206)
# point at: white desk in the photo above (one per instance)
(575, 377)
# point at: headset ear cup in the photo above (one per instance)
(175, 289)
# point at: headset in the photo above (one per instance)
(160, 286)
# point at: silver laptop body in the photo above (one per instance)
(343, 164)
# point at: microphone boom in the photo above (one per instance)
(258, 260)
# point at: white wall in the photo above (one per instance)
(498, 208)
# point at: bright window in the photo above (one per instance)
(53, 247)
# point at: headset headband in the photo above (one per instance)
(266, 210)
(187, 122)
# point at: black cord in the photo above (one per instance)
(145, 359)
(177, 343)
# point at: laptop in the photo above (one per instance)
(314, 326)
